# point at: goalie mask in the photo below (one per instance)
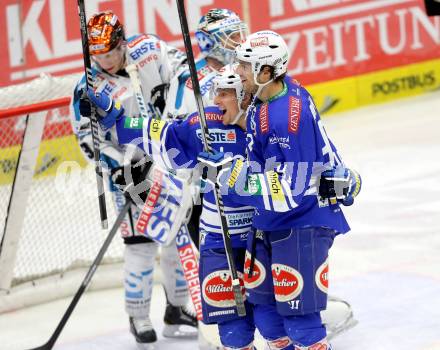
(218, 33)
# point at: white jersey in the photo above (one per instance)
(180, 100)
(157, 63)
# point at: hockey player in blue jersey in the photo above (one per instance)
(177, 145)
(286, 264)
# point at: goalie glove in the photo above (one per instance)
(340, 184)
(109, 111)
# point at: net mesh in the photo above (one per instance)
(61, 228)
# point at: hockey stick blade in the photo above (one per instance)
(52, 340)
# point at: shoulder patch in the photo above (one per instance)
(294, 114)
(133, 123)
(264, 118)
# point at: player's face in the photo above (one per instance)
(113, 60)
(226, 100)
(244, 70)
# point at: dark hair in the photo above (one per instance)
(272, 70)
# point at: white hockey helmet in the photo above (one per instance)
(215, 34)
(264, 48)
(227, 78)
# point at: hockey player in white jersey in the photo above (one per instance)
(156, 63)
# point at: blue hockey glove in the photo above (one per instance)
(109, 111)
(340, 184)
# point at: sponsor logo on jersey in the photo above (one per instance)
(235, 173)
(119, 93)
(258, 272)
(240, 219)
(294, 114)
(283, 142)
(217, 288)
(262, 41)
(254, 184)
(146, 46)
(150, 58)
(321, 277)
(201, 74)
(276, 190)
(264, 118)
(156, 127)
(209, 116)
(219, 136)
(288, 282)
(133, 123)
(136, 41)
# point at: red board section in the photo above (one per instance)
(328, 39)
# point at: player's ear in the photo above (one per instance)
(265, 74)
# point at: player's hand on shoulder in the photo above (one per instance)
(108, 110)
(340, 184)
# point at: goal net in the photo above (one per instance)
(49, 218)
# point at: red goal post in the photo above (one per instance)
(49, 218)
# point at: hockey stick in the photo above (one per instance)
(93, 118)
(187, 255)
(205, 132)
(51, 342)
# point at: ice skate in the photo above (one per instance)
(143, 332)
(338, 317)
(179, 323)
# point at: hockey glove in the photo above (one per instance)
(214, 164)
(159, 96)
(109, 111)
(132, 179)
(85, 108)
(340, 184)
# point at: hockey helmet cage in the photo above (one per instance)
(216, 32)
(105, 32)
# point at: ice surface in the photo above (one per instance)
(388, 267)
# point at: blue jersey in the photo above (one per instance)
(177, 145)
(288, 148)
